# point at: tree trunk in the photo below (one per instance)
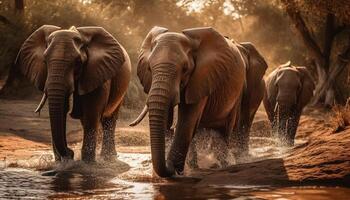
(328, 88)
(321, 95)
(19, 6)
(17, 86)
(326, 91)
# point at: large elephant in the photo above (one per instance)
(208, 76)
(87, 63)
(288, 90)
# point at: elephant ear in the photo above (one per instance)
(143, 68)
(214, 63)
(308, 86)
(256, 62)
(30, 59)
(105, 57)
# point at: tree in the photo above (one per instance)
(331, 19)
(19, 5)
(129, 21)
(263, 23)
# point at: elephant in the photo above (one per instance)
(215, 82)
(288, 90)
(87, 64)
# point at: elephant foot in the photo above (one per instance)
(108, 153)
(193, 163)
(223, 163)
(214, 166)
(88, 157)
(57, 157)
(70, 154)
(242, 156)
(89, 161)
(286, 142)
(289, 143)
(170, 168)
(178, 172)
(176, 169)
(109, 157)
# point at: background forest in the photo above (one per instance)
(311, 33)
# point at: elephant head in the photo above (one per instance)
(179, 68)
(293, 88)
(62, 61)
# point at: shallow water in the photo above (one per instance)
(138, 183)
(131, 177)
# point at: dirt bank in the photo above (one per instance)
(323, 157)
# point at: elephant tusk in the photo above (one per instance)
(41, 104)
(276, 116)
(276, 107)
(140, 117)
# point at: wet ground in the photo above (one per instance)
(130, 176)
(94, 182)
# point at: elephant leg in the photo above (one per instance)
(108, 151)
(269, 109)
(248, 116)
(223, 154)
(242, 140)
(188, 120)
(90, 122)
(292, 128)
(88, 151)
(55, 152)
(194, 156)
(282, 128)
(93, 106)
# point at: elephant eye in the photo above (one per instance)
(184, 69)
(152, 45)
(77, 40)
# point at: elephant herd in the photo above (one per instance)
(215, 83)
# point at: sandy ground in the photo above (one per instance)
(25, 134)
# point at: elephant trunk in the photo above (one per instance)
(57, 93)
(159, 101)
(285, 123)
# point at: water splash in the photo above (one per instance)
(213, 152)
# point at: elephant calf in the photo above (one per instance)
(87, 63)
(288, 90)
